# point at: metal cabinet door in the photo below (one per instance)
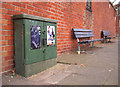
(50, 36)
(33, 41)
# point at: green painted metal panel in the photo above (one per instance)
(19, 46)
(50, 51)
(32, 55)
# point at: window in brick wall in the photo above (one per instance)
(88, 7)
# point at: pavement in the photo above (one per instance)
(98, 66)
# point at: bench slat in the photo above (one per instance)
(83, 36)
(81, 29)
(97, 39)
(108, 37)
(83, 32)
(83, 42)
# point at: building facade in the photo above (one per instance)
(97, 16)
(117, 7)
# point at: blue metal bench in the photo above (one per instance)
(106, 35)
(84, 33)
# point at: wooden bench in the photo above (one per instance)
(84, 33)
(106, 35)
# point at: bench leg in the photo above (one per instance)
(92, 44)
(78, 48)
(109, 40)
(104, 40)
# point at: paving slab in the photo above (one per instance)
(47, 74)
(87, 76)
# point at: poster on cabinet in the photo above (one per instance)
(50, 35)
(35, 37)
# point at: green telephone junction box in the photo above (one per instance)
(35, 44)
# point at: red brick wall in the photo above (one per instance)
(104, 18)
(118, 25)
(117, 19)
(69, 15)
